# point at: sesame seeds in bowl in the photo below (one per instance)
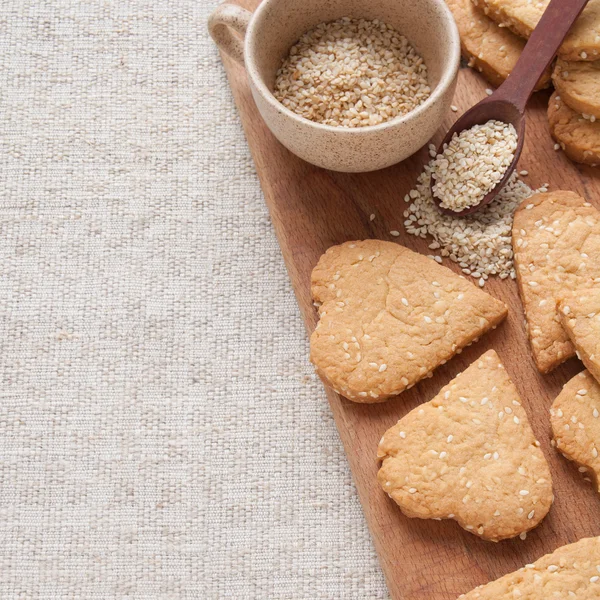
(352, 73)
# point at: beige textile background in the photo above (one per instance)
(161, 432)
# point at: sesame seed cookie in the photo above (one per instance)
(580, 316)
(389, 316)
(521, 16)
(490, 49)
(578, 84)
(578, 137)
(575, 419)
(556, 241)
(469, 455)
(572, 571)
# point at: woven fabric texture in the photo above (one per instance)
(162, 434)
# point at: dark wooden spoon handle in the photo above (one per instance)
(539, 51)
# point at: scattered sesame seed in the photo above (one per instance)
(394, 233)
(454, 108)
(412, 490)
(402, 434)
(482, 241)
(372, 217)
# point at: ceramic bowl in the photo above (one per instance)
(276, 25)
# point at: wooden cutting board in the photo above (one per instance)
(312, 209)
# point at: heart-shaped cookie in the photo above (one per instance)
(389, 316)
(556, 241)
(571, 571)
(469, 455)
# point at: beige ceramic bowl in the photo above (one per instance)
(276, 25)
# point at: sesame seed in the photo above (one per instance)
(450, 438)
(484, 153)
(524, 492)
(382, 368)
(352, 73)
(483, 241)
(552, 568)
(394, 233)
(454, 108)
(412, 490)
(402, 434)
(372, 217)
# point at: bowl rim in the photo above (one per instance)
(446, 80)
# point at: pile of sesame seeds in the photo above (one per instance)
(352, 73)
(471, 165)
(481, 243)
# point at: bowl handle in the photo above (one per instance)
(222, 21)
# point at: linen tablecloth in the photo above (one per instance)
(162, 434)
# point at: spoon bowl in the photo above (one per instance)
(507, 103)
(489, 108)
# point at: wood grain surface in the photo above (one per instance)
(312, 209)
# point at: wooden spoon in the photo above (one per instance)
(508, 102)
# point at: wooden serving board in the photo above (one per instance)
(312, 209)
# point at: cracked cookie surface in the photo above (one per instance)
(572, 571)
(556, 241)
(389, 316)
(469, 455)
(575, 420)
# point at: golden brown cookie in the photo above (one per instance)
(469, 455)
(489, 48)
(572, 571)
(577, 136)
(556, 241)
(580, 316)
(578, 85)
(521, 17)
(575, 419)
(389, 316)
